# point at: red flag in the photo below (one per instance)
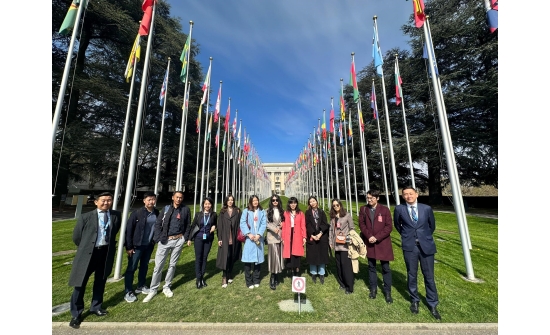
(398, 83)
(226, 123)
(145, 24)
(331, 118)
(419, 15)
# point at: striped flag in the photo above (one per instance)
(135, 55)
(398, 82)
(183, 58)
(70, 18)
(418, 11)
(218, 102)
(377, 53)
(163, 89)
(373, 103)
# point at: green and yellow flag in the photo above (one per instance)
(136, 51)
(70, 18)
(183, 58)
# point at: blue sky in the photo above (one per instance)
(281, 61)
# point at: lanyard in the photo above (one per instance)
(205, 220)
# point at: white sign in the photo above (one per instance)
(299, 284)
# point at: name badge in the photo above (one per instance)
(337, 224)
(379, 218)
(204, 236)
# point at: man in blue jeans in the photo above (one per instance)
(139, 245)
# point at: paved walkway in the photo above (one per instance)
(165, 328)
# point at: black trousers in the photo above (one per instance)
(386, 274)
(254, 277)
(202, 249)
(228, 272)
(412, 258)
(344, 269)
(96, 266)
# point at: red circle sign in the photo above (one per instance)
(298, 285)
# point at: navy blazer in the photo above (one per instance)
(421, 231)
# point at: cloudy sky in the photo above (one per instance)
(281, 61)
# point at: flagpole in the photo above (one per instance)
(217, 150)
(361, 129)
(382, 160)
(390, 144)
(207, 190)
(63, 87)
(354, 170)
(398, 75)
(135, 145)
(346, 139)
(321, 167)
(232, 157)
(202, 195)
(157, 178)
(337, 186)
(224, 165)
(363, 150)
(185, 107)
(450, 157)
(122, 157)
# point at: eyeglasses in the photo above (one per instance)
(274, 200)
(336, 205)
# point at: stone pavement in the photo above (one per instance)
(165, 328)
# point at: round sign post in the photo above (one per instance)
(299, 286)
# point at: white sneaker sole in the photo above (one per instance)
(149, 297)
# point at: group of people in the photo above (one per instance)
(289, 233)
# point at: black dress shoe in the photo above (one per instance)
(99, 312)
(199, 284)
(342, 287)
(349, 291)
(75, 322)
(372, 294)
(388, 297)
(322, 279)
(314, 278)
(414, 307)
(203, 283)
(435, 313)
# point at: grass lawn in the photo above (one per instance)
(460, 301)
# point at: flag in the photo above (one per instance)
(135, 55)
(209, 128)
(331, 117)
(373, 103)
(353, 82)
(319, 132)
(340, 134)
(145, 24)
(425, 55)
(398, 83)
(163, 89)
(218, 102)
(239, 137)
(223, 144)
(70, 18)
(234, 126)
(492, 16)
(376, 53)
(183, 59)
(419, 15)
(226, 123)
(342, 105)
(324, 127)
(360, 117)
(217, 139)
(206, 85)
(198, 122)
(350, 131)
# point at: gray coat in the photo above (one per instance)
(84, 236)
(226, 224)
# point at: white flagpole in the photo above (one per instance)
(321, 197)
(217, 148)
(346, 158)
(122, 157)
(135, 145)
(63, 87)
(354, 170)
(202, 195)
(335, 152)
(405, 122)
(207, 189)
(390, 144)
(382, 160)
(185, 109)
(361, 140)
(157, 177)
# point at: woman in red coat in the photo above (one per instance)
(293, 235)
(376, 225)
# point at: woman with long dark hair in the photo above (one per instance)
(341, 224)
(274, 252)
(229, 248)
(317, 228)
(294, 235)
(253, 225)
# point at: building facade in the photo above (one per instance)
(278, 172)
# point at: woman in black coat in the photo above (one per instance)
(229, 249)
(317, 228)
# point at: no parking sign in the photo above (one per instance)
(299, 284)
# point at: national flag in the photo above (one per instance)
(425, 56)
(331, 117)
(135, 55)
(340, 134)
(342, 105)
(218, 102)
(353, 82)
(234, 126)
(70, 18)
(376, 53)
(419, 14)
(183, 59)
(239, 137)
(209, 128)
(206, 85)
(398, 82)
(350, 131)
(492, 16)
(373, 103)
(145, 24)
(217, 138)
(226, 123)
(324, 127)
(198, 122)
(360, 117)
(163, 89)
(319, 132)
(223, 144)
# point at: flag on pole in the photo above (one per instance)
(163, 89)
(425, 56)
(239, 137)
(135, 55)
(223, 144)
(324, 127)
(360, 117)
(376, 53)
(340, 134)
(373, 103)
(226, 123)
(492, 16)
(217, 139)
(319, 132)
(398, 83)
(218, 102)
(206, 85)
(350, 131)
(419, 15)
(353, 82)
(342, 105)
(70, 18)
(145, 24)
(183, 59)
(331, 117)
(234, 126)
(209, 128)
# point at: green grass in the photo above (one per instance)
(460, 301)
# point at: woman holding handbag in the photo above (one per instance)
(294, 235)
(317, 228)
(229, 248)
(253, 225)
(341, 224)
(274, 252)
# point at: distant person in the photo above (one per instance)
(229, 249)
(275, 219)
(376, 225)
(95, 237)
(139, 245)
(169, 229)
(294, 236)
(201, 233)
(253, 224)
(317, 228)
(341, 224)
(415, 222)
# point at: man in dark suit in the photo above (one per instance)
(415, 223)
(95, 237)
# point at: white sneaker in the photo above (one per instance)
(251, 286)
(256, 285)
(224, 285)
(130, 297)
(150, 296)
(143, 289)
(229, 281)
(167, 292)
